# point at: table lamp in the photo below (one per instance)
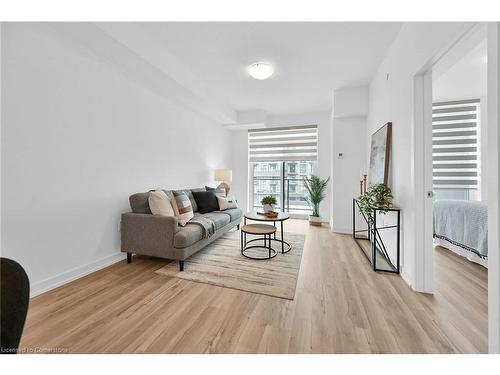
(224, 176)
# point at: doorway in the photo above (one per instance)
(451, 170)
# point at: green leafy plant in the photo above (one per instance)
(379, 196)
(268, 200)
(316, 188)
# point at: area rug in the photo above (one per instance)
(222, 264)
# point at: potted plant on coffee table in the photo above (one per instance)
(316, 188)
(268, 203)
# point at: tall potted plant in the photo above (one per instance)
(316, 188)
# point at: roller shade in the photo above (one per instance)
(282, 144)
(455, 144)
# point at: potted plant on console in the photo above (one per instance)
(377, 196)
(316, 188)
(268, 203)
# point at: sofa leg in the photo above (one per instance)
(181, 265)
(129, 257)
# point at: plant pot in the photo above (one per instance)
(315, 220)
(268, 208)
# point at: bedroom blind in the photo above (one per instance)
(455, 144)
(280, 144)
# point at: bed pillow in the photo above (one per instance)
(159, 203)
(225, 203)
(206, 201)
(182, 207)
(216, 191)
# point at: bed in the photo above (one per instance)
(462, 227)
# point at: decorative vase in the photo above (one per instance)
(268, 208)
(315, 220)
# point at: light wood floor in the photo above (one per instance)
(340, 306)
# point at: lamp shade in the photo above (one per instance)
(223, 175)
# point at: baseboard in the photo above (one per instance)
(341, 230)
(406, 278)
(73, 274)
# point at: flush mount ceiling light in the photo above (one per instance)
(261, 70)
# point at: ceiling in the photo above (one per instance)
(467, 78)
(311, 59)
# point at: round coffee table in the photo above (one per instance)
(282, 216)
(257, 230)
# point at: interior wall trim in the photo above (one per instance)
(74, 274)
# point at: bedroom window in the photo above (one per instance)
(455, 149)
(287, 155)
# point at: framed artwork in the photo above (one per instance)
(380, 155)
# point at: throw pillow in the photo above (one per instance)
(225, 203)
(216, 191)
(159, 203)
(206, 201)
(182, 207)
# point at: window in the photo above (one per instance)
(303, 169)
(455, 148)
(280, 159)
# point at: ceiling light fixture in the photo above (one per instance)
(261, 70)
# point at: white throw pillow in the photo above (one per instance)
(159, 203)
(226, 203)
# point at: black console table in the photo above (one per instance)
(376, 251)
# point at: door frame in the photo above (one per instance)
(422, 177)
(422, 181)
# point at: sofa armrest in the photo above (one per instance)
(148, 234)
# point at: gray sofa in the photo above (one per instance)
(161, 236)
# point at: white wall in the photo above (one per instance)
(350, 107)
(239, 153)
(391, 100)
(78, 138)
(349, 140)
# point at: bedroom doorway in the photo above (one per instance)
(451, 174)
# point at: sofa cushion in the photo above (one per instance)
(188, 235)
(192, 233)
(234, 213)
(217, 191)
(139, 203)
(206, 201)
(221, 219)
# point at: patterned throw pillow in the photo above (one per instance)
(225, 203)
(182, 207)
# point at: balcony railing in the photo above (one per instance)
(292, 201)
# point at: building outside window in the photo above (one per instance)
(288, 188)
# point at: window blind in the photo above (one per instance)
(282, 144)
(455, 144)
